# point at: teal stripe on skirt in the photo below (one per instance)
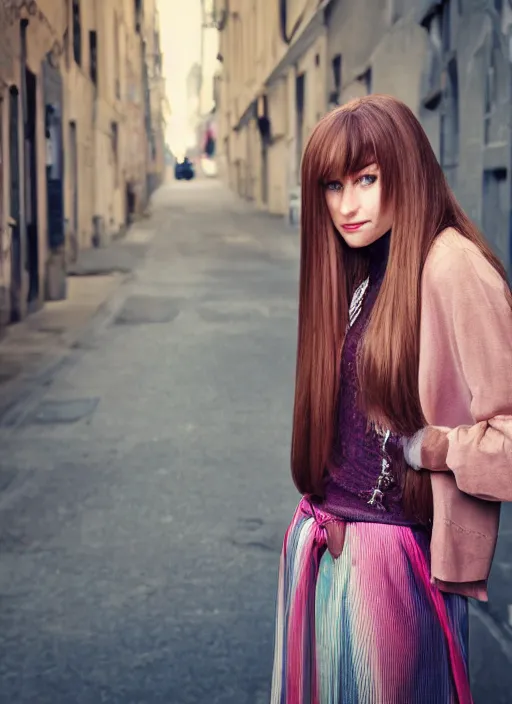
(366, 627)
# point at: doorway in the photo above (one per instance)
(54, 156)
(15, 203)
(31, 205)
(73, 173)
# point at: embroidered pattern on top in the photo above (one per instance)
(385, 479)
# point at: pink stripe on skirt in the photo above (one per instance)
(358, 620)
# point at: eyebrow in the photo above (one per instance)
(371, 165)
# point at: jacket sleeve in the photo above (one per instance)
(474, 312)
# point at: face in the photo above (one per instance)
(355, 207)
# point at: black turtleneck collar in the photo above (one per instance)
(378, 254)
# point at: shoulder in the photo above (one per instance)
(456, 263)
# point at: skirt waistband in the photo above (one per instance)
(331, 529)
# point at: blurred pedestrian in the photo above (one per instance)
(402, 429)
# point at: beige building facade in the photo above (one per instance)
(74, 118)
(285, 64)
(31, 40)
(154, 85)
(265, 111)
(115, 115)
(279, 77)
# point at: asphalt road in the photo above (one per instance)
(145, 491)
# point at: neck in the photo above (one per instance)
(378, 254)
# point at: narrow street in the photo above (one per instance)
(145, 488)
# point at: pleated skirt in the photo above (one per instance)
(362, 623)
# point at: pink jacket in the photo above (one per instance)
(465, 384)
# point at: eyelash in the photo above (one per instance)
(372, 178)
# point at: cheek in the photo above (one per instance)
(381, 213)
(386, 217)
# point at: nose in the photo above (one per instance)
(349, 203)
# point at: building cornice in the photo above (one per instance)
(305, 39)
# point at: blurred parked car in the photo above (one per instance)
(184, 168)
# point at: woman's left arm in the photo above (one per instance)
(474, 324)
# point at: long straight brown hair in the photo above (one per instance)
(383, 130)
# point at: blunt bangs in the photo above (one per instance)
(345, 149)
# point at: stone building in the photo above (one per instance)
(154, 91)
(201, 93)
(31, 41)
(286, 63)
(114, 135)
(73, 136)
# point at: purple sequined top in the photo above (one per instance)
(356, 459)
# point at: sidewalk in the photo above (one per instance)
(31, 349)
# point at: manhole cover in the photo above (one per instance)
(67, 411)
(140, 310)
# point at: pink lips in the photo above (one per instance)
(354, 226)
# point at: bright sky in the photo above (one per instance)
(180, 32)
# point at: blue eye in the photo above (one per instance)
(367, 180)
(333, 186)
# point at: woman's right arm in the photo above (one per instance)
(474, 324)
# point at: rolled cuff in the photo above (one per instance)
(427, 448)
(412, 449)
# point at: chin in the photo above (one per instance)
(359, 240)
(364, 238)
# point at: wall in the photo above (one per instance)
(118, 119)
(100, 191)
(46, 22)
(256, 76)
(133, 135)
(156, 88)
(450, 62)
(80, 95)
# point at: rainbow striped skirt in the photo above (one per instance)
(359, 622)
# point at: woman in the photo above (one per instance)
(402, 431)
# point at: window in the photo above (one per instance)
(446, 25)
(2, 231)
(334, 97)
(77, 33)
(93, 56)
(66, 43)
(300, 93)
(450, 124)
(115, 152)
(366, 79)
(158, 54)
(490, 98)
(438, 23)
(138, 15)
(117, 61)
(495, 210)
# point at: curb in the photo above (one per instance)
(25, 392)
(17, 401)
